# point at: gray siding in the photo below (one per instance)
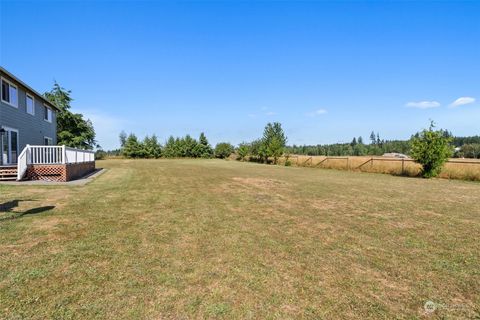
(31, 128)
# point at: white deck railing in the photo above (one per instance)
(51, 155)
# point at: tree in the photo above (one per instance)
(151, 147)
(223, 150)
(471, 150)
(123, 138)
(243, 150)
(274, 141)
(431, 148)
(189, 146)
(132, 148)
(373, 138)
(170, 150)
(354, 142)
(203, 148)
(72, 129)
(360, 140)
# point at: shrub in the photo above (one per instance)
(243, 150)
(100, 155)
(223, 150)
(431, 148)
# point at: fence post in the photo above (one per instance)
(403, 166)
(348, 165)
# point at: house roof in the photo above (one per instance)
(30, 89)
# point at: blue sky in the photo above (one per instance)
(327, 71)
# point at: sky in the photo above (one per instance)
(328, 71)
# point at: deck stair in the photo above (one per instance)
(8, 173)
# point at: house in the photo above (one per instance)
(26, 117)
(28, 136)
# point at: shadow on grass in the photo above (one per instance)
(7, 207)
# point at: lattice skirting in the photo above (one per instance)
(59, 172)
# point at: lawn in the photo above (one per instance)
(169, 239)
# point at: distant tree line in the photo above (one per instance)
(174, 147)
(467, 147)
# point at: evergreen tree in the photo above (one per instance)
(151, 147)
(132, 147)
(203, 148)
(373, 139)
(123, 138)
(354, 142)
(243, 150)
(273, 142)
(170, 149)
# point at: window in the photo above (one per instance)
(47, 141)
(48, 114)
(30, 105)
(9, 93)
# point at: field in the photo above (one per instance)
(464, 169)
(181, 239)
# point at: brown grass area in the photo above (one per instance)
(190, 239)
(452, 169)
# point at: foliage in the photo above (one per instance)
(174, 147)
(355, 148)
(100, 155)
(151, 147)
(223, 150)
(471, 150)
(123, 138)
(431, 148)
(274, 141)
(132, 147)
(243, 150)
(203, 148)
(72, 129)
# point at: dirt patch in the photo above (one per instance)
(46, 223)
(324, 204)
(260, 183)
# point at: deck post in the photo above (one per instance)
(64, 155)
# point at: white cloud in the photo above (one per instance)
(317, 112)
(423, 104)
(462, 101)
(270, 113)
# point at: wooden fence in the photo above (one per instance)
(454, 168)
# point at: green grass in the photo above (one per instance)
(168, 239)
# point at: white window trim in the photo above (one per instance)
(51, 113)
(1, 93)
(26, 105)
(48, 138)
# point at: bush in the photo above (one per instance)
(223, 150)
(243, 150)
(100, 155)
(431, 148)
